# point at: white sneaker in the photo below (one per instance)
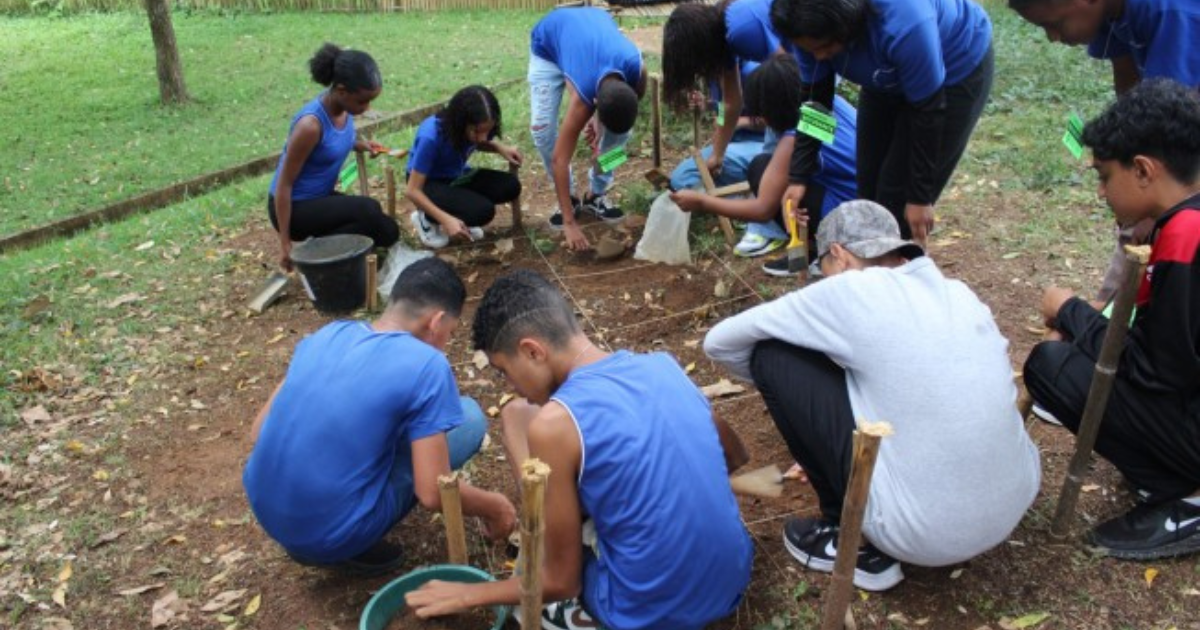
(567, 615)
(476, 233)
(753, 245)
(431, 235)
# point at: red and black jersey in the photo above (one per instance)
(1162, 354)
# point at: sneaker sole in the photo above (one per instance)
(1045, 416)
(1188, 545)
(771, 246)
(874, 582)
(778, 273)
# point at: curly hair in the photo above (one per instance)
(353, 69)
(519, 305)
(1158, 118)
(774, 92)
(472, 105)
(694, 49)
(825, 20)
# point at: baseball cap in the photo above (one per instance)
(866, 229)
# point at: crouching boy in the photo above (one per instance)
(635, 463)
(363, 423)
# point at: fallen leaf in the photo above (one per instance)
(275, 339)
(56, 623)
(1150, 574)
(127, 298)
(196, 404)
(252, 607)
(721, 290)
(177, 539)
(1010, 256)
(223, 600)
(144, 246)
(480, 359)
(65, 573)
(471, 278)
(100, 475)
(35, 307)
(60, 595)
(108, 537)
(691, 343)
(1090, 487)
(955, 574)
(166, 608)
(138, 590)
(690, 368)
(722, 387)
(504, 400)
(1027, 621)
(1191, 592)
(493, 411)
(504, 246)
(35, 414)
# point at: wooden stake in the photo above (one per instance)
(515, 171)
(739, 188)
(363, 187)
(389, 180)
(711, 187)
(1136, 259)
(656, 118)
(696, 128)
(452, 514)
(866, 449)
(533, 531)
(372, 283)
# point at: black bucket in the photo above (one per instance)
(334, 270)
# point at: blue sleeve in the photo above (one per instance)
(437, 409)
(423, 155)
(917, 55)
(1171, 51)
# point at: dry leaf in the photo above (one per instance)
(35, 414)
(127, 298)
(691, 343)
(56, 623)
(196, 404)
(60, 595)
(504, 246)
(471, 278)
(1028, 621)
(722, 387)
(1150, 574)
(138, 590)
(504, 400)
(100, 475)
(955, 574)
(480, 359)
(223, 600)
(721, 290)
(493, 411)
(1090, 487)
(690, 368)
(108, 537)
(165, 609)
(144, 246)
(276, 338)
(65, 573)
(252, 607)
(1191, 592)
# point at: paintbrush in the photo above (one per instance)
(764, 482)
(797, 249)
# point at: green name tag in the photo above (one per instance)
(816, 123)
(612, 159)
(348, 176)
(721, 114)
(1073, 137)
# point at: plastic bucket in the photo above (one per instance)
(389, 600)
(334, 270)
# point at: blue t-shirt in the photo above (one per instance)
(1160, 34)
(910, 47)
(317, 479)
(434, 155)
(838, 159)
(587, 46)
(748, 30)
(671, 551)
(320, 171)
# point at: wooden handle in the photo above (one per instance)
(372, 282)
(452, 514)
(533, 532)
(710, 187)
(389, 180)
(656, 119)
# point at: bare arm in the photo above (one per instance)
(305, 136)
(256, 428)
(763, 207)
(731, 98)
(431, 459)
(1125, 74)
(578, 114)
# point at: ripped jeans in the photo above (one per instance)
(546, 85)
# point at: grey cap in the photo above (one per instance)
(866, 229)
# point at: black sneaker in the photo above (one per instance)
(556, 218)
(814, 543)
(598, 206)
(779, 268)
(1151, 531)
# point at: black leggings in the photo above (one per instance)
(474, 201)
(338, 214)
(814, 195)
(883, 142)
(807, 397)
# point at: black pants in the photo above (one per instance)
(474, 201)
(338, 214)
(1147, 435)
(814, 195)
(807, 397)
(883, 142)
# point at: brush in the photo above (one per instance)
(797, 249)
(764, 482)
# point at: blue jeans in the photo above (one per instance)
(742, 148)
(463, 442)
(546, 85)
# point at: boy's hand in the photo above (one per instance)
(502, 520)
(576, 241)
(1052, 302)
(436, 598)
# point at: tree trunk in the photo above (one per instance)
(170, 72)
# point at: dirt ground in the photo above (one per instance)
(194, 533)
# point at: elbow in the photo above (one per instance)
(560, 588)
(430, 498)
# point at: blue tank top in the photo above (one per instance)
(672, 551)
(320, 171)
(748, 30)
(587, 46)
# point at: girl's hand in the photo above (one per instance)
(511, 154)
(436, 598)
(454, 227)
(285, 253)
(688, 200)
(920, 219)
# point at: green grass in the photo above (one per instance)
(84, 127)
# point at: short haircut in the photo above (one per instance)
(616, 104)
(774, 92)
(1158, 118)
(694, 49)
(429, 283)
(822, 20)
(472, 105)
(519, 305)
(353, 69)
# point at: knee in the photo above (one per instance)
(765, 354)
(474, 424)
(511, 188)
(544, 135)
(1041, 365)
